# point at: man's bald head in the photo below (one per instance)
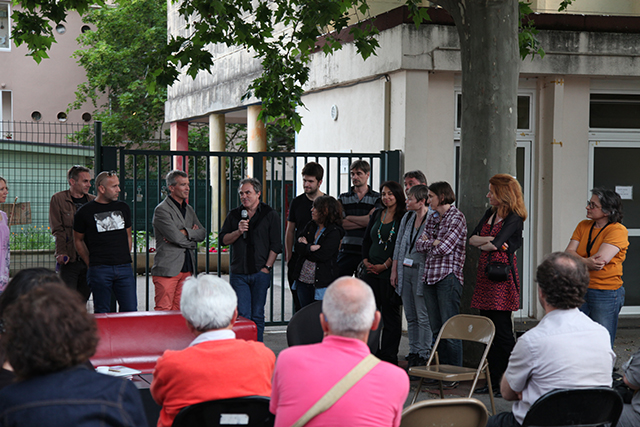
(349, 307)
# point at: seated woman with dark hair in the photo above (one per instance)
(21, 283)
(48, 337)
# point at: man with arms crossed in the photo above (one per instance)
(177, 231)
(62, 209)
(253, 230)
(216, 365)
(299, 216)
(102, 236)
(357, 204)
(565, 350)
(305, 373)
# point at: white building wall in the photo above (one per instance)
(359, 126)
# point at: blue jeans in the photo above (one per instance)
(415, 309)
(306, 293)
(443, 302)
(603, 307)
(251, 290)
(103, 279)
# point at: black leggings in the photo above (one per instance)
(390, 305)
(503, 344)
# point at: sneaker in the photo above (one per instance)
(421, 361)
(450, 384)
(482, 390)
(411, 359)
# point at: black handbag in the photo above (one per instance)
(361, 271)
(498, 271)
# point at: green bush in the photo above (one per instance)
(31, 237)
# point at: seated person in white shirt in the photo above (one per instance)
(565, 350)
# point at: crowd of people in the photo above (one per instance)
(406, 247)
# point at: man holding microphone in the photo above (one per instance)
(253, 231)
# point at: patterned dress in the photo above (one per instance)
(490, 295)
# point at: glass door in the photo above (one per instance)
(613, 165)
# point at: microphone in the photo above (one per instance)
(244, 214)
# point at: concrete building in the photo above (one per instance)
(40, 92)
(578, 121)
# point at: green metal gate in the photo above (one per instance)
(214, 178)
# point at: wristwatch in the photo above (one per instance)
(268, 268)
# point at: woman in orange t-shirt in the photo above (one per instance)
(601, 242)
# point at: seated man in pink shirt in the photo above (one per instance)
(305, 373)
(216, 365)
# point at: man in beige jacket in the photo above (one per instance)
(62, 209)
(177, 231)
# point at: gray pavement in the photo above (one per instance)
(627, 343)
(627, 340)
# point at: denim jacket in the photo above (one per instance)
(77, 397)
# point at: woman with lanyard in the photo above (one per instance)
(601, 242)
(407, 272)
(318, 247)
(377, 252)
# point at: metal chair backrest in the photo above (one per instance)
(251, 411)
(575, 407)
(457, 412)
(305, 328)
(469, 328)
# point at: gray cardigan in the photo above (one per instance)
(402, 247)
(170, 242)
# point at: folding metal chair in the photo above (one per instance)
(304, 328)
(575, 407)
(251, 411)
(463, 327)
(458, 412)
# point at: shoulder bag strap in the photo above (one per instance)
(338, 390)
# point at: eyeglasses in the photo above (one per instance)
(592, 205)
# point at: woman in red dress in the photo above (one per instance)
(498, 236)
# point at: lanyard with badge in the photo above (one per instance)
(408, 262)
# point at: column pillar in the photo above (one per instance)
(256, 141)
(179, 141)
(217, 143)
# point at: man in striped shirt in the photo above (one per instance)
(357, 205)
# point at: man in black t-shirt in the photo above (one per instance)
(62, 210)
(102, 236)
(299, 216)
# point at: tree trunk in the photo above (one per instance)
(488, 31)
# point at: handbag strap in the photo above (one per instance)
(338, 390)
(493, 219)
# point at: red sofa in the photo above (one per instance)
(137, 339)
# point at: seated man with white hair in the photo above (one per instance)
(305, 373)
(216, 365)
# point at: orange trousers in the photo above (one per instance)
(169, 291)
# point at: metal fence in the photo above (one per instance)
(214, 180)
(34, 159)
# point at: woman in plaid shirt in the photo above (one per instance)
(443, 242)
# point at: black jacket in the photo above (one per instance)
(511, 231)
(326, 258)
